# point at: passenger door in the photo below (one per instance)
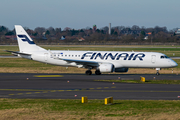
(46, 56)
(153, 58)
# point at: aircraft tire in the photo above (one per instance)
(157, 73)
(88, 72)
(97, 72)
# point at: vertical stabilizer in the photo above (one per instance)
(26, 44)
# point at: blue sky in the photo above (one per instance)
(79, 14)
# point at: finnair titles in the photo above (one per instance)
(117, 56)
(102, 61)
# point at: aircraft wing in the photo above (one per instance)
(16, 53)
(81, 62)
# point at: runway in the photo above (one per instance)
(74, 86)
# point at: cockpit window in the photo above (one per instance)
(164, 57)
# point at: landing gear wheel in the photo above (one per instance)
(88, 72)
(97, 72)
(158, 69)
(157, 73)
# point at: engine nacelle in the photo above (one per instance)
(106, 67)
(121, 70)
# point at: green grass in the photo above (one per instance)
(146, 82)
(21, 65)
(21, 62)
(11, 48)
(93, 109)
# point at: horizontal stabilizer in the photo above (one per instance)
(16, 53)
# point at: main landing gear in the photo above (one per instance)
(97, 72)
(89, 72)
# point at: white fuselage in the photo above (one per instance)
(119, 59)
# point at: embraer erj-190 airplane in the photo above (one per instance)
(102, 61)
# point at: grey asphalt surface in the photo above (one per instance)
(74, 86)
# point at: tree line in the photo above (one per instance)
(119, 35)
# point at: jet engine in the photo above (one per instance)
(106, 68)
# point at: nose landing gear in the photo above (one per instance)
(158, 71)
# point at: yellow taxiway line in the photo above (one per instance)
(48, 75)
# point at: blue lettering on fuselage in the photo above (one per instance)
(99, 55)
(111, 56)
(130, 57)
(84, 55)
(93, 55)
(122, 55)
(140, 56)
(105, 56)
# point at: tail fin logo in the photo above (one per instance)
(25, 38)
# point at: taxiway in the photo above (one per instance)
(74, 86)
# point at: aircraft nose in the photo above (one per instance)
(173, 63)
